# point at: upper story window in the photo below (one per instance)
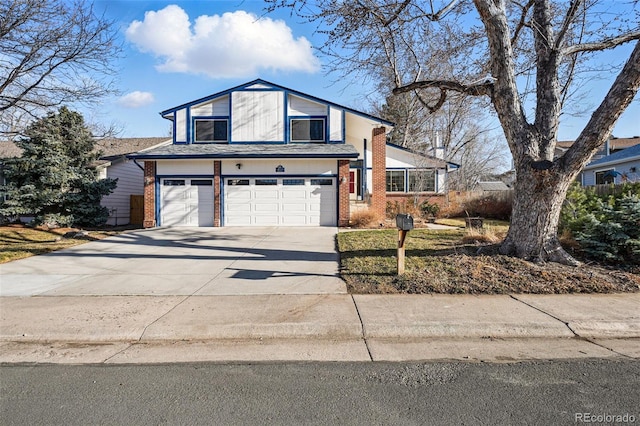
(307, 130)
(210, 130)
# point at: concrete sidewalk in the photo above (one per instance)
(328, 327)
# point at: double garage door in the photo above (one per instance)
(287, 201)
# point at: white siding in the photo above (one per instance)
(184, 167)
(181, 125)
(218, 107)
(441, 178)
(300, 106)
(268, 167)
(130, 181)
(335, 123)
(257, 117)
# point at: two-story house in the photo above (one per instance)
(260, 154)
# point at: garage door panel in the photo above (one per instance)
(295, 220)
(294, 208)
(297, 194)
(266, 220)
(266, 194)
(290, 201)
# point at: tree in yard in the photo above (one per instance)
(52, 53)
(524, 57)
(455, 132)
(55, 179)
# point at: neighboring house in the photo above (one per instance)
(262, 154)
(623, 166)
(112, 164)
(611, 146)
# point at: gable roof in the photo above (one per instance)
(628, 154)
(116, 147)
(271, 86)
(110, 148)
(434, 161)
(614, 143)
(8, 149)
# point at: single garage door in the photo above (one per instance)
(287, 201)
(186, 202)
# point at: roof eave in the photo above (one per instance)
(238, 156)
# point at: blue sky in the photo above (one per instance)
(178, 51)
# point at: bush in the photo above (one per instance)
(428, 209)
(490, 206)
(364, 219)
(607, 227)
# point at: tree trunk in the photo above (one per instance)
(537, 201)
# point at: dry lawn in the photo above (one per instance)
(458, 262)
(18, 241)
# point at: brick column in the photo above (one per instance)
(378, 173)
(217, 202)
(343, 193)
(149, 194)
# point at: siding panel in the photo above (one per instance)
(130, 181)
(257, 117)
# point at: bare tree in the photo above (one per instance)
(457, 132)
(52, 52)
(525, 57)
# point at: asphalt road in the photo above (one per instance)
(549, 393)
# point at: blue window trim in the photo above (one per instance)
(309, 117)
(406, 179)
(210, 117)
(273, 87)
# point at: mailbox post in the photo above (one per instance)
(404, 222)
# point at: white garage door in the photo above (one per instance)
(283, 201)
(186, 202)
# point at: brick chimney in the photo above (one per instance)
(379, 166)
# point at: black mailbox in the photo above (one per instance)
(404, 222)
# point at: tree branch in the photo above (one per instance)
(566, 23)
(472, 89)
(601, 45)
(602, 121)
(397, 13)
(522, 23)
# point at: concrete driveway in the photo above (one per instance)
(185, 261)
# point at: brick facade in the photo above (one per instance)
(217, 203)
(149, 194)
(343, 193)
(379, 166)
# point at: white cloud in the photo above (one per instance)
(237, 44)
(136, 99)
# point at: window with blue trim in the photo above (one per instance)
(307, 130)
(210, 130)
(395, 180)
(422, 180)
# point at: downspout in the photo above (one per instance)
(364, 172)
(135, 161)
